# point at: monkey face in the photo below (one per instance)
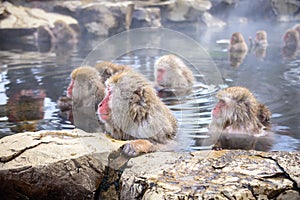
(160, 76)
(103, 107)
(70, 88)
(217, 110)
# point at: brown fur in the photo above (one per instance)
(242, 121)
(64, 33)
(88, 88)
(261, 39)
(107, 69)
(291, 37)
(177, 74)
(291, 44)
(237, 43)
(138, 114)
(297, 28)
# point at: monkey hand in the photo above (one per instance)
(136, 147)
(64, 103)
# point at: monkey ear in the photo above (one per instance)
(139, 106)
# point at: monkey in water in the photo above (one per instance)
(260, 40)
(84, 93)
(85, 89)
(239, 121)
(132, 111)
(171, 72)
(297, 28)
(259, 45)
(237, 43)
(107, 69)
(291, 44)
(63, 33)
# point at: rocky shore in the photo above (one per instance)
(104, 18)
(78, 165)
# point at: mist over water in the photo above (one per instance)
(274, 80)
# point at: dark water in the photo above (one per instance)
(32, 79)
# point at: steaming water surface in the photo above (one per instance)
(44, 76)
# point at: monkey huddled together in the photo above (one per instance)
(128, 107)
(126, 103)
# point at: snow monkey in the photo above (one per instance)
(241, 120)
(132, 111)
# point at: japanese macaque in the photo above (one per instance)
(64, 103)
(132, 111)
(44, 34)
(291, 44)
(107, 69)
(170, 72)
(84, 93)
(64, 33)
(261, 39)
(239, 121)
(60, 33)
(86, 87)
(237, 43)
(291, 37)
(236, 58)
(259, 45)
(297, 28)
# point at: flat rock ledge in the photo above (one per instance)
(22, 22)
(73, 164)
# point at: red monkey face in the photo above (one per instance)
(70, 88)
(160, 76)
(103, 107)
(217, 111)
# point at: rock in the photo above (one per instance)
(210, 175)
(78, 165)
(146, 17)
(21, 21)
(211, 21)
(287, 10)
(228, 9)
(189, 10)
(105, 18)
(53, 165)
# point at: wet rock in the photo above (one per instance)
(100, 18)
(19, 21)
(231, 9)
(287, 10)
(53, 165)
(210, 175)
(211, 21)
(181, 11)
(146, 17)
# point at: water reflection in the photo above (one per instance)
(44, 77)
(237, 58)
